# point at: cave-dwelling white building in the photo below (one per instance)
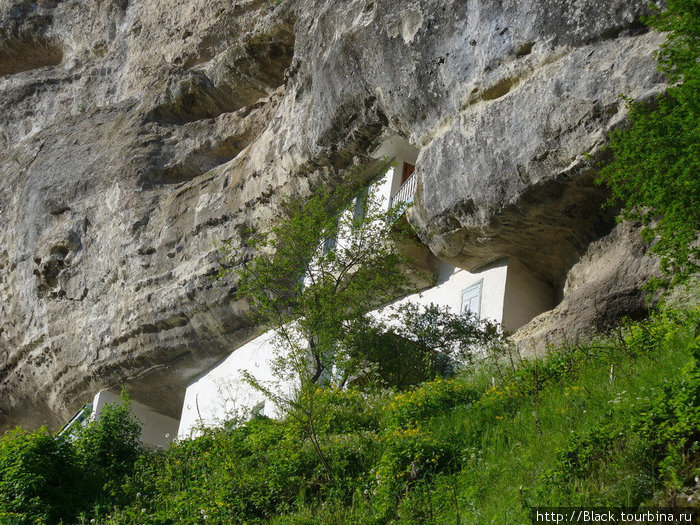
(504, 291)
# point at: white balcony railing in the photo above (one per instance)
(405, 193)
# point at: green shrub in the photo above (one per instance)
(655, 166)
(39, 480)
(410, 456)
(344, 411)
(48, 478)
(428, 400)
(106, 450)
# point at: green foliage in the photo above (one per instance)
(656, 161)
(227, 476)
(659, 441)
(314, 294)
(678, 57)
(46, 478)
(479, 448)
(37, 475)
(410, 455)
(435, 328)
(345, 411)
(413, 344)
(602, 446)
(384, 358)
(107, 449)
(408, 409)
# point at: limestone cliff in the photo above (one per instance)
(137, 134)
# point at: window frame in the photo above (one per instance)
(478, 285)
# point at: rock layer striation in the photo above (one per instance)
(135, 135)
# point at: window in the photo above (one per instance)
(330, 242)
(359, 210)
(329, 245)
(471, 299)
(258, 410)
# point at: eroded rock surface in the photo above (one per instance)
(603, 286)
(137, 134)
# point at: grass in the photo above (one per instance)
(516, 442)
(515, 448)
(481, 448)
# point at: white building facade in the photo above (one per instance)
(157, 430)
(505, 292)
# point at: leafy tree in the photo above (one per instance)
(107, 449)
(656, 160)
(317, 275)
(50, 478)
(415, 343)
(37, 477)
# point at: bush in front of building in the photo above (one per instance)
(482, 447)
(51, 478)
(415, 343)
(38, 476)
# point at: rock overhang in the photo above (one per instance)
(506, 101)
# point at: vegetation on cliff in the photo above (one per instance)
(656, 160)
(316, 282)
(610, 422)
(53, 478)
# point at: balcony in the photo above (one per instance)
(405, 193)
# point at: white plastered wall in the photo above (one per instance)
(400, 151)
(157, 430)
(525, 296)
(222, 394)
(453, 281)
